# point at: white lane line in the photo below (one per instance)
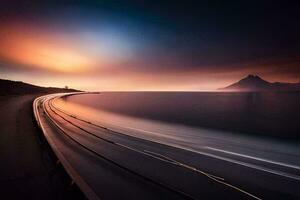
(279, 173)
(175, 162)
(287, 175)
(255, 158)
(253, 166)
(215, 178)
(172, 161)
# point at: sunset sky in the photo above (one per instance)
(159, 45)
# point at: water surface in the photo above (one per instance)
(265, 114)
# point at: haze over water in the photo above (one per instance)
(271, 114)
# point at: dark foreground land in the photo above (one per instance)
(28, 169)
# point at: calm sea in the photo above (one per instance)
(266, 114)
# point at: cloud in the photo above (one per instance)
(147, 47)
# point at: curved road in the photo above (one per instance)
(109, 164)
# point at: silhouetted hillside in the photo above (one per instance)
(255, 83)
(8, 87)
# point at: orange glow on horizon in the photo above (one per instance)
(90, 64)
(34, 51)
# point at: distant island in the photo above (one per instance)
(8, 87)
(256, 83)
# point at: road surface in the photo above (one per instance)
(121, 162)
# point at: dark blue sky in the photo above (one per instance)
(234, 37)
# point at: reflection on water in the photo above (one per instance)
(271, 114)
(188, 137)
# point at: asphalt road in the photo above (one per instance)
(27, 169)
(121, 162)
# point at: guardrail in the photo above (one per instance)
(76, 178)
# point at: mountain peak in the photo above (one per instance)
(256, 83)
(252, 76)
(253, 80)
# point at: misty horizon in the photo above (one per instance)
(103, 46)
